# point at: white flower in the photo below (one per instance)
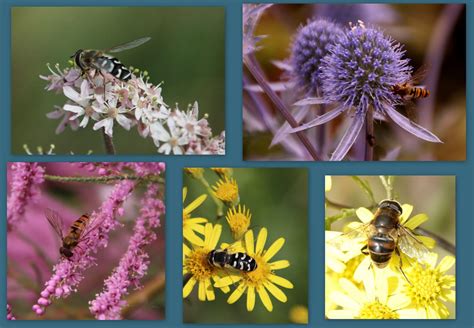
(172, 141)
(111, 112)
(84, 100)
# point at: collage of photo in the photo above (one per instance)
(337, 196)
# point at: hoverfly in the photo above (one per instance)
(76, 234)
(410, 90)
(385, 234)
(99, 60)
(239, 261)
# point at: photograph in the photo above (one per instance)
(118, 80)
(354, 82)
(245, 245)
(390, 250)
(85, 241)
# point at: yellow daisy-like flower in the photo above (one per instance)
(381, 302)
(227, 191)
(299, 314)
(223, 171)
(197, 267)
(192, 225)
(195, 172)
(327, 183)
(238, 219)
(262, 278)
(430, 286)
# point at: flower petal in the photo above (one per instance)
(406, 212)
(274, 248)
(202, 291)
(280, 281)
(195, 204)
(124, 121)
(364, 214)
(216, 234)
(267, 302)
(275, 291)
(209, 290)
(249, 241)
(228, 280)
(188, 288)
(446, 263)
(278, 265)
(250, 298)
(189, 235)
(326, 117)
(237, 293)
(261, 239)
(411, 126)
(348, 138)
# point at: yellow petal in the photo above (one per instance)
(327, 183)
(185, 192)
(249, 241)
(416, 221)
(192, 237)
(267, 302)
(207, 233)
(450, 295)
(188, 288)
(344, 301)
(364, 214)
(186, 250)
(261, 239)
(250, 298)
(280, 281)
(406, 212)
(275, 291)
(277, 265)
(427, 241)
(196, 220)
(446, 263)
(227, 280)
(209, 291)
(216, 234)
(202, 291)
(341, 314)
(350, 289)
(274, 248)
(195, 204)
(234, 297)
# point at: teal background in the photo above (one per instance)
(186, 51)
(233, 104)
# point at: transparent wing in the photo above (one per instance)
(88, 229)
(129, 45)
(56, 221)
(355, 235)
(419, 75)
(411, 245)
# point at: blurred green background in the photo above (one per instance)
(186, 52)
(277, 199)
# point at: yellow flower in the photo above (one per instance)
(192, 225)
(238, 219)
(262, 278)
(196, 266)
(430, 286)
(227, 191)
(195, 172)
(299, 314)
(381, 302)
(327, 183)
(223, 171)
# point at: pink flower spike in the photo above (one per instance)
(10, 315)
(25, 181)
(68, 273)
(134, 263)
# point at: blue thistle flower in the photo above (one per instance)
(311, 44)
(358, 74)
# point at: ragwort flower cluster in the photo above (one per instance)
(408, 288)
(205, 237)
(105, 102)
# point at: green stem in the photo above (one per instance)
(387, 182)
(108, 143)
(218, 202)
(103, 179)
(344, 214)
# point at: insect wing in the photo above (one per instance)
(419, 75)
(411, 245)
(356, 235)
(87, 231)
(129, 45)
(56, 221)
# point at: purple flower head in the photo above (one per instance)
(358, 75)
(68, 273)
(311, 44)
(134, 263)
(25, 181)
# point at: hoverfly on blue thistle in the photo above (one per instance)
(101, 61)
(239, 261)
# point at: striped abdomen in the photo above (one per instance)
(381, 247)
(242, 262)
(113, 66)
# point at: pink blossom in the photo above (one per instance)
(140, 169)
(10, 315)
(134, 263)
(68, 273)
(25, 181)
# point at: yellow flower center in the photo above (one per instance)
(198, 266)
(227, 190)
(377, 310)
(112, 112)
(239, 221)
(425, 287)
(258, 276)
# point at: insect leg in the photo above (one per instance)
(364, 250)
(401, 265)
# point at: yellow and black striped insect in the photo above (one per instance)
(410, 90)
(76, 234)
(101, 61)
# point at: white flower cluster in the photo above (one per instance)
(136, 103)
